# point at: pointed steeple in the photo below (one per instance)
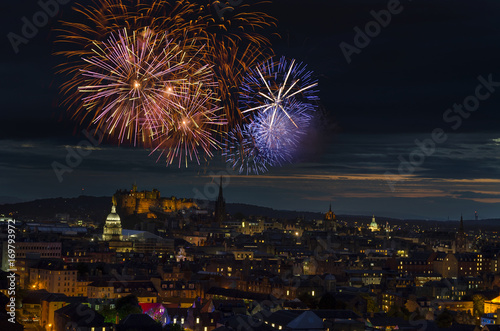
(460, 239)
(220, 206)
(330, 207)
(220, 189)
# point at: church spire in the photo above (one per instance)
(461, 228)
(220, 189)
(220, 206)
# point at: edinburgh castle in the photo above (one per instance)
(144, 202)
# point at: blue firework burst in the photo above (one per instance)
(273, 87)
(278, 100)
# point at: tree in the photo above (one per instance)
(108, 313)
(371, 304)
(128, 305)
(478, 305)
(398, 311)
(412, 306)
(445, 319)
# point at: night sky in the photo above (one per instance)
(395, 90)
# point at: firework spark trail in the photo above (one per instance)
(271, 86)
(131, 59)
(277, 135)
(102, 20)
(233, 44)
(129, 80)
(279, 100)
(242, 153)
(193, 128)
(269, 140)
(231, 64)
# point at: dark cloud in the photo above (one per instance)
(351, 174)
(475, 195)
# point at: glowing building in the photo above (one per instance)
(373, 225)
(113, 227)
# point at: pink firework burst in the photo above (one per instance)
(193, 131)
(129, 82)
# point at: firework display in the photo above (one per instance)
(242, 152)
(235, 45)
(274, 86)
(279, 100)
(129, 82)
(192, 128)
(230, 65)
(277, 135)
(186, 79)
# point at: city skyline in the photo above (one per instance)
(376, 103)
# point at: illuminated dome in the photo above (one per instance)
(113, 216)
(373, 225)
(113, 228)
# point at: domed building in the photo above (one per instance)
(113, 227)
(373, 225)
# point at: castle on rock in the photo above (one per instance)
(143, 202)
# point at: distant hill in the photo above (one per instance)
(97, 208)
(8, 199)
(247, 210)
